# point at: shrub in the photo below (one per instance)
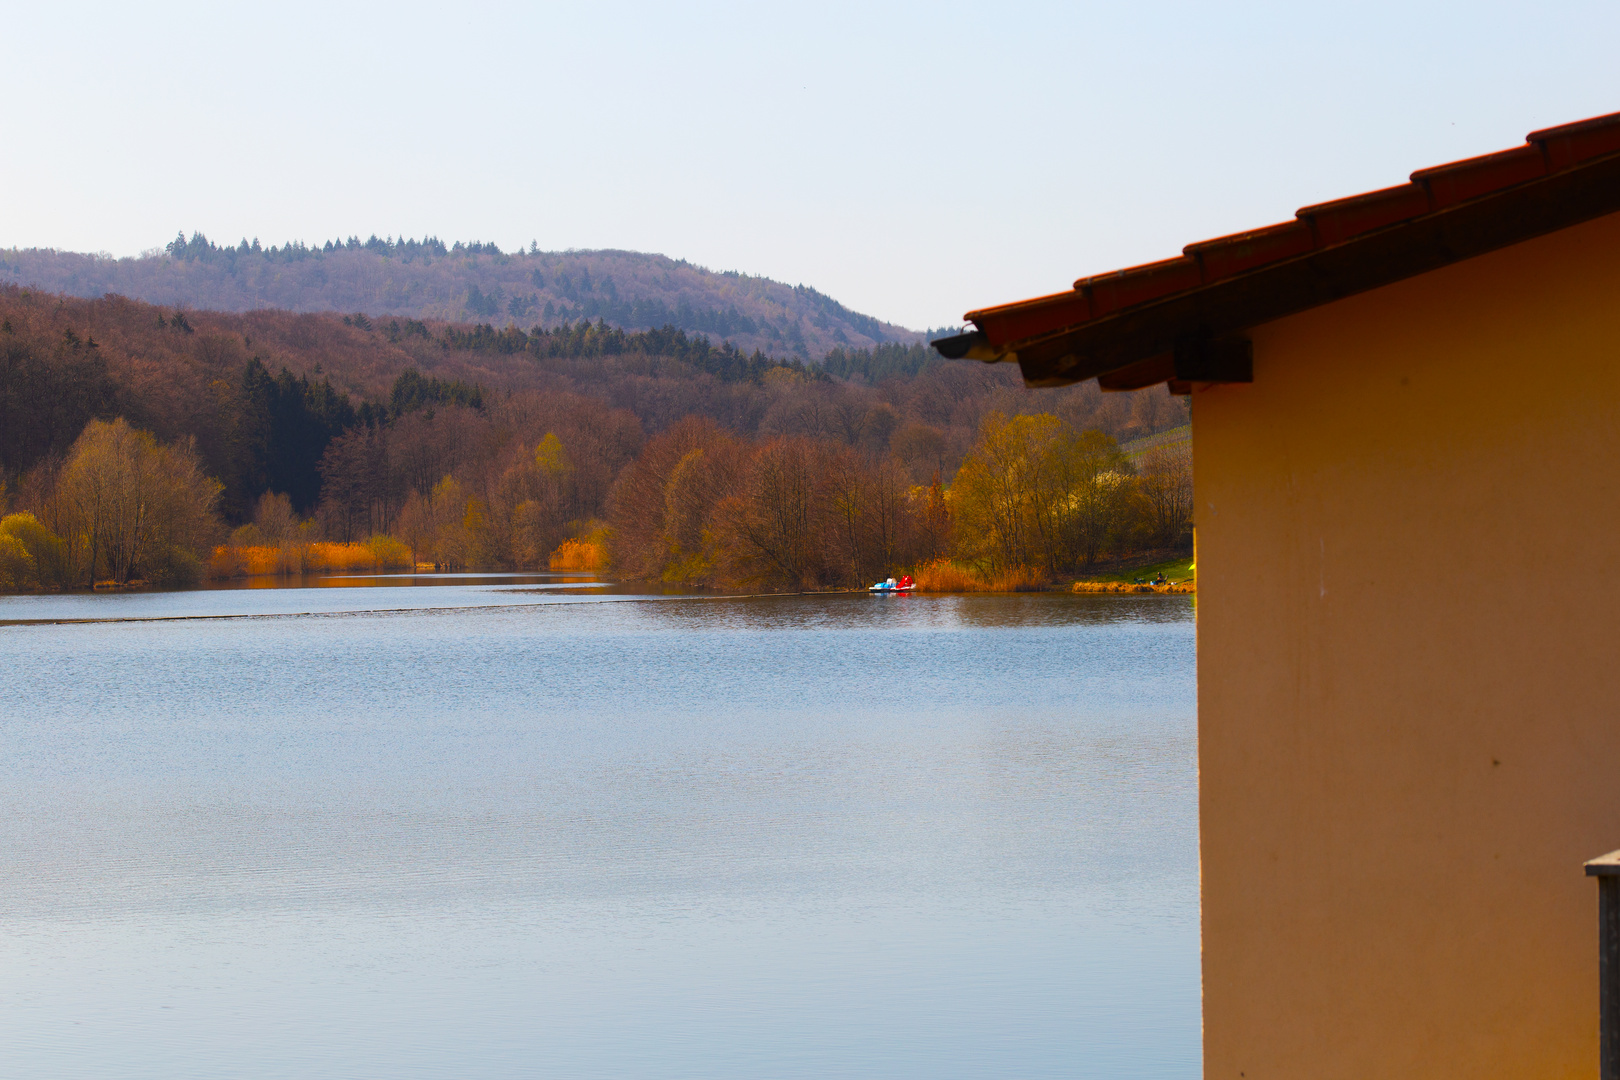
(175, 567)
(45, 548)
(16, 565)
(389, 554)
(225, 562)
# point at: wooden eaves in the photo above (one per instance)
(1181, 321)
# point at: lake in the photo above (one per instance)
(525, 827)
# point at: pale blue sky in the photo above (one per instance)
(911, 160)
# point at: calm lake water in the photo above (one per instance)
(475, 827)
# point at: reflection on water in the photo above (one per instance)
(512, 833)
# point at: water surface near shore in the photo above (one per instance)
(488, 829)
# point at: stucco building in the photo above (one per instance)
(1406, 430)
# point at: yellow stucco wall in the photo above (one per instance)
(1409, 674)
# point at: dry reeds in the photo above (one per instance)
(945, 576)
(942, 575)
(259, 560)
(1019, 579)
(584, 554)
(229, 562)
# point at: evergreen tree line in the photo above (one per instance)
(201, 249)
(584, 340)
(286, 424)
(47, 395)
(643, 311)
(826, 309)
(886, 361)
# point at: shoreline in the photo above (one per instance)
(1105, 587)
(295, 581)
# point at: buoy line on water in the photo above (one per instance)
(386, 611)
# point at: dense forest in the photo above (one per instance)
(461, 444)
(427, 279)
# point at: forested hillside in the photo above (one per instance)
(460, 444)
(428, 279)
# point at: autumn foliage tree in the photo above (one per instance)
(1034, 492)
(127, 506)
(30, 554)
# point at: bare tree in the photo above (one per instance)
(1166, 486)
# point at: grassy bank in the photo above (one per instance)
(947, 576)
(1177, 572)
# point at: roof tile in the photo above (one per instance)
(1139, 284)
(1031, 318)
(1341, 219)
(1228, 255)
(1463, 180)
(1568, 144)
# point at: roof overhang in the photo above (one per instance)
(1181, 320)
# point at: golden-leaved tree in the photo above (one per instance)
(1101, 511)
(128, 506)
(1033, 492)
(1003, 478)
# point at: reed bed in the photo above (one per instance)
(945, 576)
(263, 560)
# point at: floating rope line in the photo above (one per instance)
(391, 611)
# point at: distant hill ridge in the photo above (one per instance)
(427, 279)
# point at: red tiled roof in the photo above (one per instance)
(1135, 318)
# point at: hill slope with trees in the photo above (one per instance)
(461, 444)
(428, 279)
